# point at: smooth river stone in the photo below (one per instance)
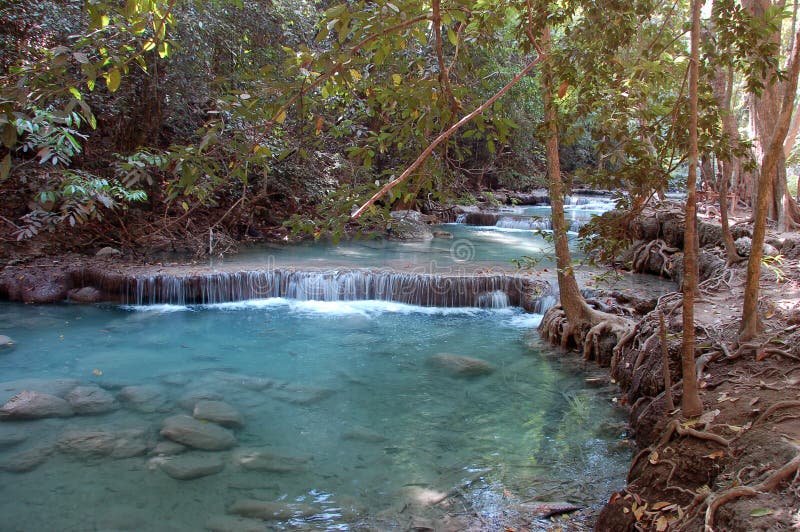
(99, 443)
(190, 399)
(461, 366)
(218, 412)
(34, 405)
(91, 400)
(271, 511)
(143, 398)
(167, 448)
(192, 465)
(198, 434)
(267, 460)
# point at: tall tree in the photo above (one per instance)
(773, 157)
(691, 405)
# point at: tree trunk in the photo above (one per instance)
(751, 323)
(722, 86)
(691, 405)
(572, 301)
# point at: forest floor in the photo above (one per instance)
(734, 468)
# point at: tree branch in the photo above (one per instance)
(444, 136)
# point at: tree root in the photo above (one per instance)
(772, 409)
(769, 484)
(676, 427)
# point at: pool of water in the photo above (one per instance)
(364, 423)
(470, 248)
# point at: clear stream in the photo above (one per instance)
(362, 425)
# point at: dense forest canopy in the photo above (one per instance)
(252, 112)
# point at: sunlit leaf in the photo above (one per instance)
(113, 79)
(761, 512)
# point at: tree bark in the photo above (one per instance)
(691, 405)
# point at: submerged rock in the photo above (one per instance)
(544, 510)
(442, 234)
(143, 398)
(244, 381)
(11, 435)
(461, 366)
(229, 523)
(218, 412)
(25, 461)
(198, 434)
(57, 387)
(190, 399)
(90, 400)
(6, 343)
(34, 405)
(270, 510)
(269, 460)
(301, 395)
(167, 448)
(192, 465)
(364, 434)
(99, 443)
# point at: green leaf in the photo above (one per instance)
(5, 167)
(113, 79)
(451, 36)
(75, 92)
(163, 49)
(761, 512)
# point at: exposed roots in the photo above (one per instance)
(772, 409)
(770, 484)
(641, 257)
(585, 336)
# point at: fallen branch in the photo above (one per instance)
(444, 136)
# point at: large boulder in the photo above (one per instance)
(91, 400)
(35, 285)
(461, 366)
(409, 225)
(218, 412)
(198, 434)
(192, 465)
(29, 404)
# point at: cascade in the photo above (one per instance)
(485, 291)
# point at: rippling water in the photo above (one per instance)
(368, 425)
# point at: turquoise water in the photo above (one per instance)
(470, 248)
(369, 426)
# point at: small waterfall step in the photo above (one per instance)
(483, 291)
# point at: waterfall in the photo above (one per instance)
(525, 222)
(485, 291)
